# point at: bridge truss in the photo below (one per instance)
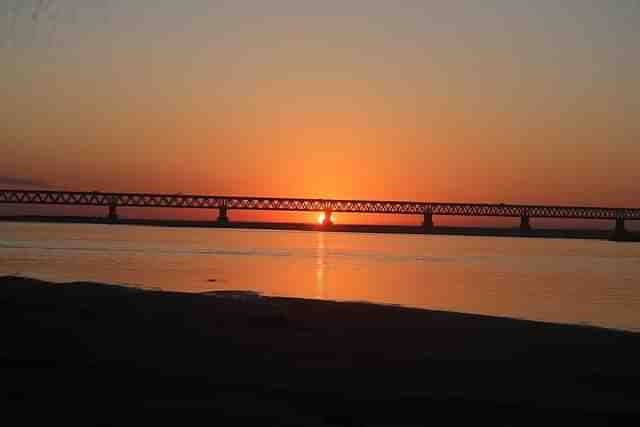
(225, 203)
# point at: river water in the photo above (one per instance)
(569, 281)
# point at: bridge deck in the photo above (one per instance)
(79, 198)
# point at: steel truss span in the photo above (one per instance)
(113, 200)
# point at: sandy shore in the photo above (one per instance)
(285, 361)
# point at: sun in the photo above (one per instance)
(322, 217)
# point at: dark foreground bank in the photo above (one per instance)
(283, 361)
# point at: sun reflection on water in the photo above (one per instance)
(321, 266)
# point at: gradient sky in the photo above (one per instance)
(497, 101)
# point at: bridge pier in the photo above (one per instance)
(620, 231)
(113, 213)
(427, 222)
(223, 217)
(525, 224)
(327, 217)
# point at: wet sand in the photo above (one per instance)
(286, 361)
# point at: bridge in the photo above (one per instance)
(112, 201)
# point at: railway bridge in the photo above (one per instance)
(224, 204)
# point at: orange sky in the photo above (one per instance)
(458, 105)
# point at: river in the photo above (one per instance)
(591, 282)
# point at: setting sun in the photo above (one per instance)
(322, 217)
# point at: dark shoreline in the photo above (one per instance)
(548, 233)
(286, 361)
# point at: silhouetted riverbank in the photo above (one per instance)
(347, 228)
(286, 361)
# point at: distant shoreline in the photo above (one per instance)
(546, 233)
(290, 361)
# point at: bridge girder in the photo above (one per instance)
(48, 197)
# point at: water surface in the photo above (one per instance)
(570, 281)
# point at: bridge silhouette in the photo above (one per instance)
(112, 201)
